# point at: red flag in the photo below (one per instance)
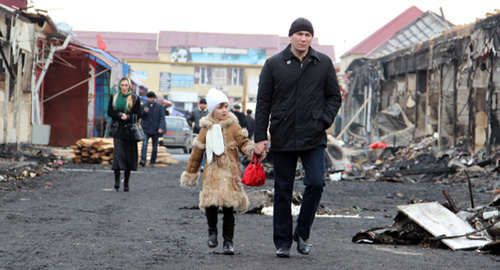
(100, 43)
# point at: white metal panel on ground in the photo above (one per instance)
(438, 221)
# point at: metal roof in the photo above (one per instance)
(425, 27)
(385, 32)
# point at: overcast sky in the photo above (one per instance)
(340, 24)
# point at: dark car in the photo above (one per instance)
(179, 134)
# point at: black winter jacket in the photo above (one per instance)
(297, 101)
(154, 119)
(194, 117)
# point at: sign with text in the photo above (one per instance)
(182, 80)
(215, 55)
(165, 81)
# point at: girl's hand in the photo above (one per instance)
(124, 116)
(260, 147)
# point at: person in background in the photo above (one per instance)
(124, 107)
(194, 117)
(242, 120)
(220, 139)
(251, 123)
(298, 89)
(153, 124)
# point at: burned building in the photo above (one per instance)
(447, 86)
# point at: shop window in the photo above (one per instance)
(237, 76)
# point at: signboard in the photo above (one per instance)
(182, 80)
(215, 55)
(165, 81)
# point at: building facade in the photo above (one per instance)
(183, 66)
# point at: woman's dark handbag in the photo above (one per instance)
(254, 174)
(136, 127)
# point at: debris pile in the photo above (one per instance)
(422, 160)
(28, 161)
(431, 224)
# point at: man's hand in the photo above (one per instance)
(260, 147)
(124, 116)
(146, 109)
(160, 131)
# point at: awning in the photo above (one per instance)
(105, 60)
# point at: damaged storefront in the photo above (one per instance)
(447, 86)
(53, 89)
(430, 113)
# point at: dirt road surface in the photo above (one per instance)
(73, 219)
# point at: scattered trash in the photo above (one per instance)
(430, 224)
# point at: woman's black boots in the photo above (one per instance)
(211, 213)
(228, 230)
(117, 180)
(125, 182)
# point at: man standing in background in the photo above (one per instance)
(250, 123)
(153, 124)
(198, 113)
(242, 120)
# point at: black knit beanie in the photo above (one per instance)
(301, 24)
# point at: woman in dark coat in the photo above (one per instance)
(124, 107)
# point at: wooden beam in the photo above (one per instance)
(352, 120)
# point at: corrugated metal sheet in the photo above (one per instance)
(425, 27)
(385, 32)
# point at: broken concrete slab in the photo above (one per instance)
(439, 221)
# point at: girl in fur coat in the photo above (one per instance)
(220, 139)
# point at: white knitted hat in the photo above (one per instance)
(214, 98)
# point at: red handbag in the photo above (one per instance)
(254, 173)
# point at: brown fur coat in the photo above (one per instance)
(222, 178)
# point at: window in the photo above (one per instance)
(203, 75)
(237, 76)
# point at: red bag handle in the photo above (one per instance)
(256, 158)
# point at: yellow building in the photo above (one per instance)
(182, 66)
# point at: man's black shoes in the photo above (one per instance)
(302, 246)
(283, 252)
(228, 248)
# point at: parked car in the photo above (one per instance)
(179, 134)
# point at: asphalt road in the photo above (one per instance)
(73, 219)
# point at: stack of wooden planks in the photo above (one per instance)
(161, 158)
(93, 150)
(100, 151)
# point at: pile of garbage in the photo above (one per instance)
(422, 160)
(27, 161)
(431, 224)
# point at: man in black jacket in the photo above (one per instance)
(298, 99)
(242, 120)
(251, 123)
(153, 124)
(198, 113)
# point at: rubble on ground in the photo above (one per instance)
(423, 161)
(483, 234)
(26, 161)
